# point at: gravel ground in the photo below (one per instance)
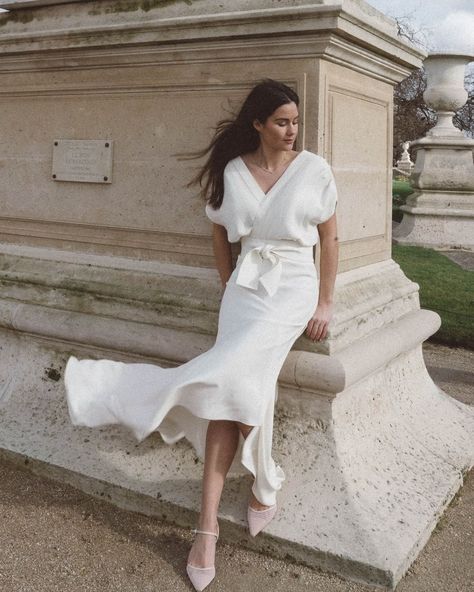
(56, 538)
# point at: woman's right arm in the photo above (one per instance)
(222, 252)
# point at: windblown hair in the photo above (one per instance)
(234, 137)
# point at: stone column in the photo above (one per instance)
(123, 267)
(440, 212)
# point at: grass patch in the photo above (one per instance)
(445, 288)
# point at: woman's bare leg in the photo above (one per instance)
(222, 439)
(254, 503)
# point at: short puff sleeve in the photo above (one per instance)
(325, 205)
(214, 215)
(233, 214)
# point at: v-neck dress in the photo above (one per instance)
(267, 303)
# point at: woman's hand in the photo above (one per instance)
(317, 327)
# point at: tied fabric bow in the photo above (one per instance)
(251, 269)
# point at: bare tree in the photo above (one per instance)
(464, 118)
(412, 117)
(407, 29)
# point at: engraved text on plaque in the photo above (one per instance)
(88, 161)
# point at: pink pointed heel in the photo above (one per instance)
(202, 576)
(258, 519)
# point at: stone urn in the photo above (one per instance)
(445, 92)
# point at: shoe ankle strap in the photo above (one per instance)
(196, 530)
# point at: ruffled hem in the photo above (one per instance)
(94, 407)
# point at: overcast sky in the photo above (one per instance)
(444, 25)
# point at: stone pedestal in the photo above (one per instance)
(440, 212)
(125, 269)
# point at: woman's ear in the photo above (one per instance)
(257, 125)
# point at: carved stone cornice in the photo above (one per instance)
(343, 31)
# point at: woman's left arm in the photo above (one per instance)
(318, 325)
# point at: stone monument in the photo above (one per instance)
(440, 211)
(104, 253)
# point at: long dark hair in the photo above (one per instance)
(237, 136)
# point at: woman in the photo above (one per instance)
(277, 202)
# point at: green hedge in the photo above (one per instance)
(401, 188)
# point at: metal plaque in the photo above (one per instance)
(87, 161)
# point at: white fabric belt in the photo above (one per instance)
(260, 261)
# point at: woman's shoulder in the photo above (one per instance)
(231, 164)
(317, 158)
(319, 165)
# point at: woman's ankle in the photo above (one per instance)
(208, 523)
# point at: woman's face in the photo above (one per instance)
(281, 128)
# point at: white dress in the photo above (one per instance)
(266, 305)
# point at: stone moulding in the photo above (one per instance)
(162, 25)
(316, 373)
(181, 298)
(311, 46)
(187, 250)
